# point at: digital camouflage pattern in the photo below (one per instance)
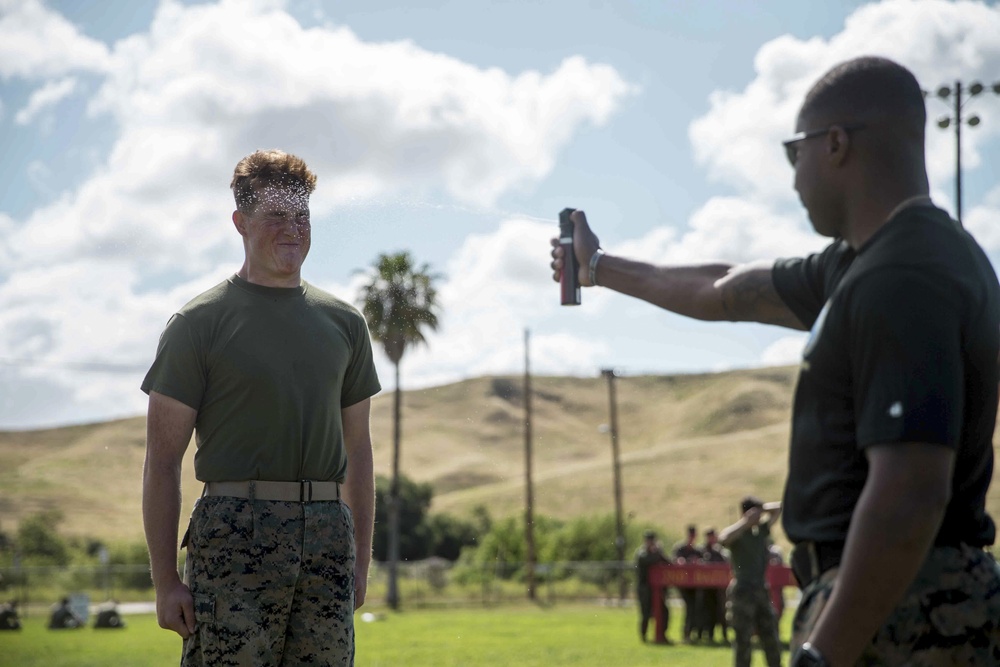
(949, 616)
(273, 583)
(748, 608)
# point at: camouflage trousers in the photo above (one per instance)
(950, 615)
(749, 610)
(273, 583)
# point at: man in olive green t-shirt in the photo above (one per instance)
(274, 377)
(749, 602)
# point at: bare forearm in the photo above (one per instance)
(732, 532)
(161, 506)
(359, 494)
(685, 290)
(712, 291)
(887, 543)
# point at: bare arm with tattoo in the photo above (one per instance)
(713, 291)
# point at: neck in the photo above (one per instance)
(869, 211)
(268, 280)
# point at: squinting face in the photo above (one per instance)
(277, 233)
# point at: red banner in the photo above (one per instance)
(708, 575)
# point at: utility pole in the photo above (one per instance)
(529, 511)
(609, 373)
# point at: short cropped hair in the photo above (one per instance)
(867, 88)
(271, 167)
(750, 501)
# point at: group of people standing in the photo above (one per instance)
(704, 607)
(745, 606)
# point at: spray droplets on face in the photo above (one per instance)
(282, 204)
(277, 233)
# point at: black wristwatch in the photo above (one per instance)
(808, 656)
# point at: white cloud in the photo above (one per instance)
(82, 277)
(196, 93)
(36, 42)
(983, 221)
(193, 95)
(738, 139)
(785, 351)
(45, 97)
(730, 229)
(493, 287)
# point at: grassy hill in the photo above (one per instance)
(691, 446)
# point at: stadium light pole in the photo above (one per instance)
(960, 96)
(616, 468)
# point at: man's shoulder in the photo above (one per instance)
(207, 300)
(321, 298)
(924, 247)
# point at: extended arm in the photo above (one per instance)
(359, 490)
(892, 530)
(732, 533)
(713, 291)
(169, 425)
(773, 512)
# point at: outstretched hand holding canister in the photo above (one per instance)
(575, 255)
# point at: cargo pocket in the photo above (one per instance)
(204, 608)
(201, 648)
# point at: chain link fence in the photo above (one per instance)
(429, 583)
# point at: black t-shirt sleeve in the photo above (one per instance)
(905, 333)
(800, 284)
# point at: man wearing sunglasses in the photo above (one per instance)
(891, 449)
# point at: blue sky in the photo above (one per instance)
(455, 130)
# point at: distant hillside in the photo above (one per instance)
(691, 446)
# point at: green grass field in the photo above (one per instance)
(526, 636)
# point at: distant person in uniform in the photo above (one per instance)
(274, 377)
(63, 617)
(777, 559)
(713, 607)
(646, 556)
(891, 453)
(687, 553)
(108, 616)
(749, 598)
(9, 619)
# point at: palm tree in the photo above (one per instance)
(399, 302)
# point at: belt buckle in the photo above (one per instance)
(303, 496)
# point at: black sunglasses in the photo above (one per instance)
(791, 148)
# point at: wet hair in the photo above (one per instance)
(271, 167)
(750, 501)
(867, 89)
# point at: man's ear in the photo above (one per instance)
(240, 222)
(838, 143)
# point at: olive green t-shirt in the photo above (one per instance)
(748, 556)
(268, 369)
